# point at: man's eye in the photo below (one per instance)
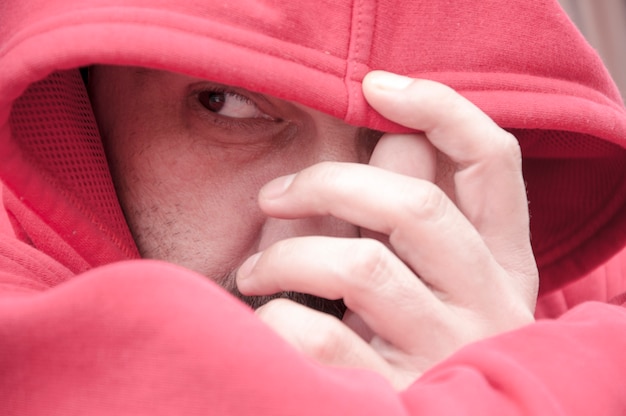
(230, 104)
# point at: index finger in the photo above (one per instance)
(490, 189)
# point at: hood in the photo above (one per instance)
(522, 62)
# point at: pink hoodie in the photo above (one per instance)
(88, 328)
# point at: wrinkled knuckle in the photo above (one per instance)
(370, 258)
(430, 204)
(506, 148)
(511, 147)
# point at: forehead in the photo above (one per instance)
(129, 80)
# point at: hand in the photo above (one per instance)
(442, 265)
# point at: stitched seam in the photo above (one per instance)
(354, 49)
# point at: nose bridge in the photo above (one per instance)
(277, 229)
(326, 139)
(338, 141)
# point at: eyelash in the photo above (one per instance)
(232, 120)
(226, 91)
(247, 124)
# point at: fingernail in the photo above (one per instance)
(245, 270)
(388, 81)
(277, 187)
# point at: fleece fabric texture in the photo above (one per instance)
(89, 328)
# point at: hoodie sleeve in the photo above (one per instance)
(148, 338)
(570, 366)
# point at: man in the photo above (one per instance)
(189, 157)
(236, 129)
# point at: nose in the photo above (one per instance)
(326, 139)
(277, 229)
(334, 140)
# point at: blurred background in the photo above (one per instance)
(603, 22)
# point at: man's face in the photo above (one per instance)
(188, 158)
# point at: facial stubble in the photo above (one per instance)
(335, 308)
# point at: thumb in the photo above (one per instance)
(408, 154)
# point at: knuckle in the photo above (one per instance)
(431, 203)
(505, 148)
(509, 147)
(370, 260)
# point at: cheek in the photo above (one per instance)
(194, 206)
(192, 212)
(189, 199)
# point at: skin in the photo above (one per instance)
(268, 197)
(178, 167)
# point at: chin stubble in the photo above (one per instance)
(335, 308)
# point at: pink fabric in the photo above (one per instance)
(89, 328)
(5, 223)
(606, 283)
